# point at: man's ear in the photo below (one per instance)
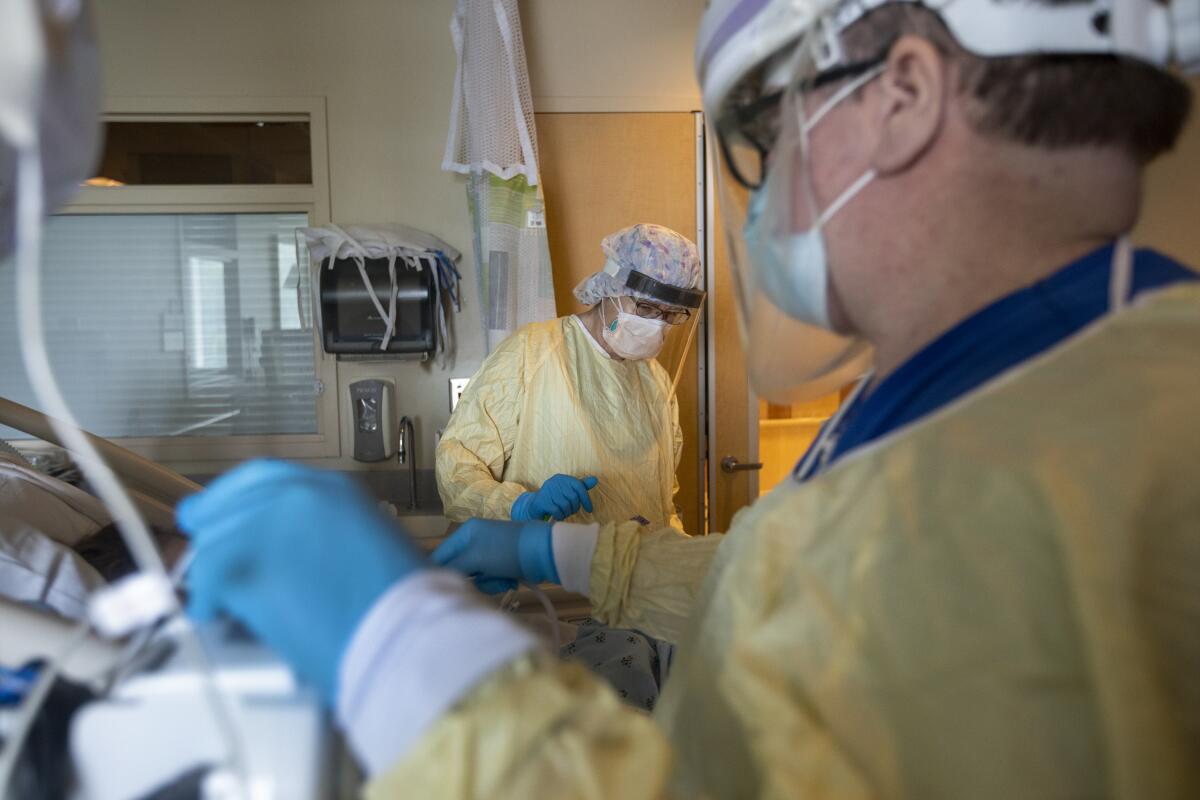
(914, 94)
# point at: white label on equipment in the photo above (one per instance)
(535, 218)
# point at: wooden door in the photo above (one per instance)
(732, 420)
(760, 442)
(601, 173)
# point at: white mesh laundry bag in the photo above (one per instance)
(512, 255)
(492, 139)
(491, 119)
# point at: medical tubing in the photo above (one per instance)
(45, 387)
(138, 643)
(549, 608)
(32, 703)
(41, 377)
(509, 602)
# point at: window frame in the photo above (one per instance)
(312, 200)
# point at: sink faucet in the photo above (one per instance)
(406, 454)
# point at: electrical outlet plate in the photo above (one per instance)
(457, 387)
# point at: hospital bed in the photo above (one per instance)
(155, 723)
(155, 489)
(285, 739)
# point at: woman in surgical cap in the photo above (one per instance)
(574, 418)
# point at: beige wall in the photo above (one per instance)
(386, 69)
(612, 55)
(1170, 209)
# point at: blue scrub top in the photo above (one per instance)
(997, 338)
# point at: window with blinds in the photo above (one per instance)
(174, 325)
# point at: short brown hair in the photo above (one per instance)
(1052, 101)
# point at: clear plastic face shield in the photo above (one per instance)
(773, 223)
(659, 320)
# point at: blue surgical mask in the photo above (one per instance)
(792, 269)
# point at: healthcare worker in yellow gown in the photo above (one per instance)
(574, 418)
(981, 580)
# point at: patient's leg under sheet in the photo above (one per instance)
(634, 664)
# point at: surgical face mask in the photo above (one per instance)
(634, 337)
(792, 267)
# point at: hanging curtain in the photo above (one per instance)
(493, 140)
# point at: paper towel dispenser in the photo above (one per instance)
(350, 319)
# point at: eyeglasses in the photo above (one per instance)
(750, 134)
(672, 316)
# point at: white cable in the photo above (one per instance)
(179, 571)
(395, 290)
(439, 313)
(29, 207)
(1120, 275)
(359, 254)
(508, 600)
(27, 714)
(549, 608)
(300, 297)
(41, 377)
(304, 269)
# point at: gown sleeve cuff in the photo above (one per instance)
(574, 545)
(423, 645)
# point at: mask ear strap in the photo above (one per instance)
(617, 305)
(845, 197)
(841, 94)
(1120, 275)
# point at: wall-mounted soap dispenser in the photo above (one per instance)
(374, 407)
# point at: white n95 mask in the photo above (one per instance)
(634, 337)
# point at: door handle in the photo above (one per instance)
(730, 464)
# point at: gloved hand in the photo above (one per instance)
(299, 555)
(497, 554)
(559, 498)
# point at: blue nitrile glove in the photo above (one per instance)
(297, 554)
(497, 554)
(560, 497)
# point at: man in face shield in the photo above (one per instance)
(979, 581)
